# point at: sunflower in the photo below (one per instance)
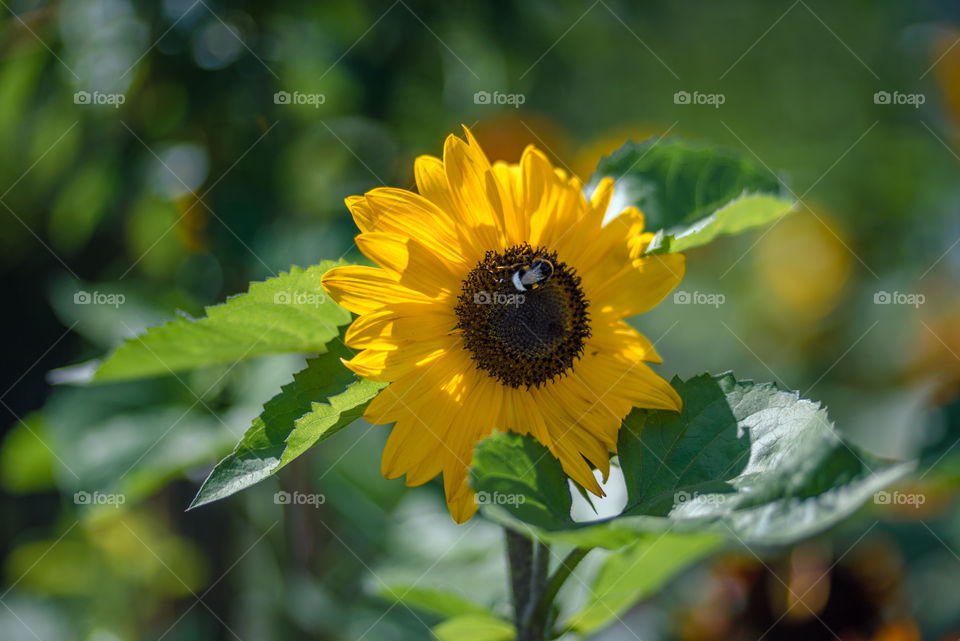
(499, 304)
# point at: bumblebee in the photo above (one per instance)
(527, 276)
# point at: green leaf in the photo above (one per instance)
(748, 461)
(436, 602)
(636, 572)
(289, 313)
(292, 422)
(692, 193)
(475, 627)
(26, 461)
(737, 216)
(521, 476)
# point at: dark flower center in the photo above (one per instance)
(523, 316)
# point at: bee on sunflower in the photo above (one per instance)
(499, 305)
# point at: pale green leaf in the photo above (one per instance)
(740, 215)
(441, 603)
(637, 571)
(474, 627)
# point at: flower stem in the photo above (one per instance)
(520, 558)
(533, 594)
(560, 575)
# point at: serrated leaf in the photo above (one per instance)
(323, 398)
(690, 193)
(475, 627)
(289, 313)
(436, 602)
(748, 461)
(636, 572)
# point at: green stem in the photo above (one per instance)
(534, 625)
(520, 558)
(533, 593)
(560, 576)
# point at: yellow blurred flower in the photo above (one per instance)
(805, 265)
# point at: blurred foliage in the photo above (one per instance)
(199, 183)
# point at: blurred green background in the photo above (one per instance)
(151, 167)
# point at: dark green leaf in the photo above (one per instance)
(746, 460)
(322, 399)
(521, 476)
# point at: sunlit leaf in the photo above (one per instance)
(749, 461)
(737, 216)
(289, 313)
(692, 193)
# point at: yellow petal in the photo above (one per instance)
(363, 289)
(388, 365)
(639, 287)
(467, 176)
(389, 328)
(416, 266)
(402, 212)
(432, 183)
(620, 338)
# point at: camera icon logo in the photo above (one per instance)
(882, 498)
(482, 298)
(882, 298)
(282, 298)
(282, 498)
(681, 298)
(881, 98)
(82, 298)
(681, 98)
(281, 98)
(481, 498)
(81, 498)
(81, 98)
(681, 497)
(481, 98)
